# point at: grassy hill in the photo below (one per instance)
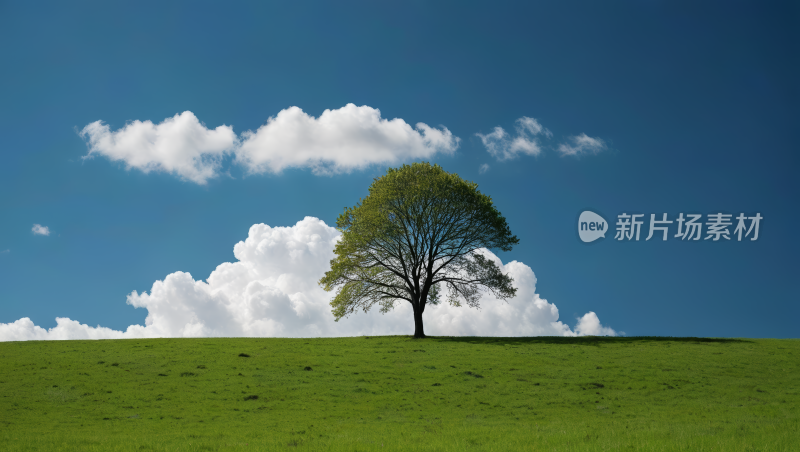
(396, 393)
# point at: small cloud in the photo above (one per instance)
(38, 229)
(180, 145)
(484, 168)
(5, 251)
(582, 144)
(339, 141)
(503, 147)
(589, 325)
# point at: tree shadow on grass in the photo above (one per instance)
(583, 340)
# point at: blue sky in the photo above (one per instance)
(693, 106)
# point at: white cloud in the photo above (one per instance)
(582, 144)
(24, 330)
(5, 251)
(484, 168)
(338, 141)
(589, 325)
(503, 146)
(38, 229)
(271, 290)
(180, 145)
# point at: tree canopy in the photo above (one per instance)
(420, 230)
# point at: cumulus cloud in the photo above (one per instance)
(38, 229)
(589, 325)
(582, 144)
(271, 290)
(25, 330)
(501, 145)
(338, 141)
(180, 145)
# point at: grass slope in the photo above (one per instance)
(396, 393)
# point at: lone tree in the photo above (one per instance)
(418, 229)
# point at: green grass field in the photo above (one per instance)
(397, 393)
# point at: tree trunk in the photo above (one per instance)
(419, 332)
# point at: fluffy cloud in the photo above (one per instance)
(589, 325)
(24, 330)
(180, 145)
(271, 290)
(582, 144)
(38, 229)
(484, 168)
(338, 141)
(503, 146)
